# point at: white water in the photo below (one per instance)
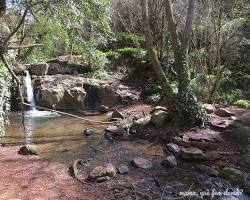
(29, 91)
(33, 112)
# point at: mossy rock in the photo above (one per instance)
(240, 135)
(240, 129)
(233, 175)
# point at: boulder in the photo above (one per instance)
(170, 161)
(139, 124)
(123, 169)
(62, 98)
(142, 163)
(117, 114)
(66, 66)
(157, 108)
(192, 153)
(222, 112)
(117, 131)
(101, 94)
(88, 131)
(244, 119)
(57, 68)
(209, 108)
(240, 129)
(174, 148)
(77, 92)
(39, 69)
(29, 149)
(159, 118)
(50, 97)
(233, 118)
(102, 173)
(212, 156)
(221, 125)
(247, 183)
(233, 175)
(207, 170)
(240, 135)
(103, 109)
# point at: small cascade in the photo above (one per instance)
(29, 91)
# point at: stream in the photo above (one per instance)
(61, 139)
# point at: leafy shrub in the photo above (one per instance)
(127, 39)
(137, 53)
(242, 103)
(152, 89)
(100, 73)
(229, 97)
(133, 52)
(112, 55)
(200, 85)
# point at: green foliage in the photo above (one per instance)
(152, 89)
(95, 59)
(230, 96)
(133, 52)
(127, 39)
(242, 103)
(186, 108)
(136, 53)
(112, 55)
(4, 96)
(76, 27)
(100, 73)
(200, 85)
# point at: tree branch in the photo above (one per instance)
(17, 27)
(25, 46)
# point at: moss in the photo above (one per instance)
(235, 176)
(242, 103)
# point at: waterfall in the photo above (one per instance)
(29, 91)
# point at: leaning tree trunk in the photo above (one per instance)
(168, 92)
(187, 109)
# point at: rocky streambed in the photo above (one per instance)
(140, 166)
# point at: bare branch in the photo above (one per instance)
(17, 27)
(25, 46)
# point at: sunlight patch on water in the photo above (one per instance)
(37, 113)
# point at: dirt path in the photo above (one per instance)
(31, 178)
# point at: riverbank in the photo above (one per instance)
(31, 177)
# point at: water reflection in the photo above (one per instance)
(29, 123)
(59, 137)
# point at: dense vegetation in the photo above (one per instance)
(196, 48)
(4, 96)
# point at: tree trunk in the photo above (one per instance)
(2, 7)
(219, 69)
(187, 108)
(167, 90)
